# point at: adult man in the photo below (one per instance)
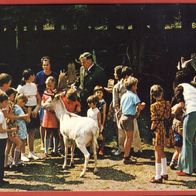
(91, 75)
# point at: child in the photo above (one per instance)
(29, 89)
(101, 105)
(160, 110)
(50, 122)
(93, 112)
(3, 136)
(71, 102)
(131, 106)
(19, 107)
(177, 111)
(13, 136)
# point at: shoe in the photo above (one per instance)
(118, 153)
(137, 154)
(129, 161)
(153, 180)
(7, 168)
(181, 173)
(55, 154)
(172, 166)
(101, 153)
(15, 168)
(24, 158)
(33, 156)
(165, 177)
(3, 182)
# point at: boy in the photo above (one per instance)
(3, 136)
(131, 107)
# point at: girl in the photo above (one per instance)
(93, 112)
(19, 107)
(29, 89)
(50, 122)
(101, 105)
(160, 110)
(13, 136)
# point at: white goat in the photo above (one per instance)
(82, 130)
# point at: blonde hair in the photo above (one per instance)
(49, 81)
(155, 91)
(130, 81)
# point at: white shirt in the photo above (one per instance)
(92, 113)
(29, 90)
(189, 93)
(4, 125)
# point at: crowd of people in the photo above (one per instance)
(22, 112)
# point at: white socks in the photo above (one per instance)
(163, 166)
(158, 171)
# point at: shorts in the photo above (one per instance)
(34, 123)
(177, 139)
(126, 122)
(41, 114)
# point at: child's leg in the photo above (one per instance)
(136, 137)
(30, 140)
(17, 141)
(42, 136)
(158, 154)
(55, 140)
(2, 157)
(47, 140)
(128, 143)
(7, 151)
(163, 162)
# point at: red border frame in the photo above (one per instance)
(7, 2)
(102, 193)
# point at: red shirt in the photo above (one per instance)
(70, 105)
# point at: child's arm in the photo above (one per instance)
(104, 115)
(139, 107)
(35, 111)
(99, 120)
(13, 129)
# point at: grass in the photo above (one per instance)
(47, 175)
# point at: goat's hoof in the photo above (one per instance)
(71, 165)
(95, 171)
(82, 175)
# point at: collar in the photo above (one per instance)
(91, 66)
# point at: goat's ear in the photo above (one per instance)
(57, 96)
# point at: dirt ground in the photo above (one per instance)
(47, 175)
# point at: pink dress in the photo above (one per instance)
(49, 119)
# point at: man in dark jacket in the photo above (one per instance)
(91, 75)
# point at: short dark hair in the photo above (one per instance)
(26, 74)
(118, 71)
(98, 88)
(45, 57)
(5, 78)
(127, 71)
(3, 97)
(11, 91)
(92, 99)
